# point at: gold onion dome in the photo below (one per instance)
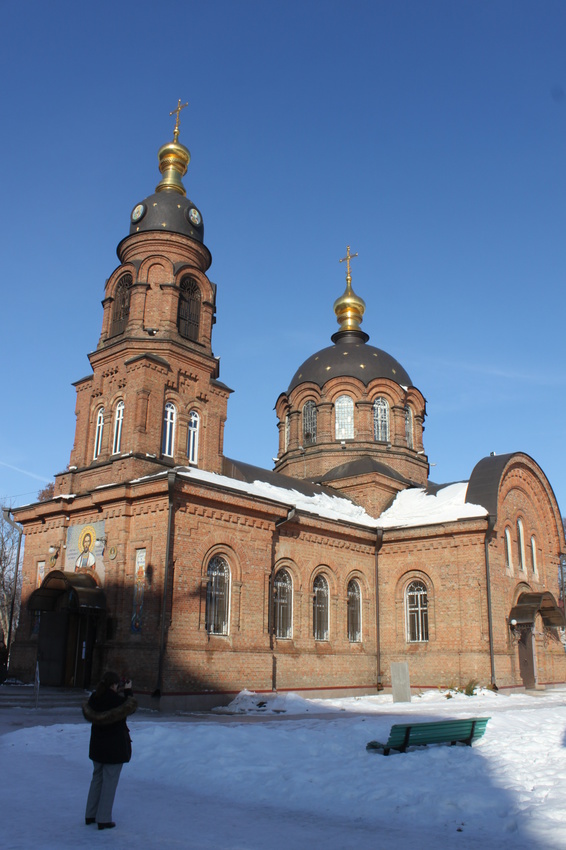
(169, 209)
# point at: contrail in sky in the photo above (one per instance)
(24, 471)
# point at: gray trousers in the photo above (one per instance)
(102, 791)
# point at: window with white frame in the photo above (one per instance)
(287, 430)
(320, 608)
(381, 420)
(534, 554)
(98, 432)
(344, 418)
(354, 612)
(192, 442)
(521, 545)
(508, 551)
(416, 612)
(118, 422)
(169, 419)
(217, 616)
(282, 605)
(409, 427)
(309, 423)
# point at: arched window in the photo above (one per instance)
(192, 442)
(188, 314)
(409, 427)
(282, 605)
(98, 433)
(508, 551)
(354, 612)
(217, 615)
(287, 430)
(381, 420)
(121, 306)
(344, 418)
(309, 423)
(320, 609)
(521, 545)
(416, 612)
(534, 554)
(118, 422)
(169, 418)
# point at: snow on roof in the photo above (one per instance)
(321, 504)
(416, 507)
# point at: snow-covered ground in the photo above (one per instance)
(291, 774)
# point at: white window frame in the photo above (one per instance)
(416, 612)
(521, 545)
(193, 437)
(321, 608)
(409, 427)
(118, 423)
(534, 554)
(354, 611)
(282, 605)
(309, 423)
(169, 421)
(344, 418)
(381, 432)
(98, 434)
(508, 549)
(218, 596)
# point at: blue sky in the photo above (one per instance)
(430, 136)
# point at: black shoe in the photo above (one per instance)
(88, 821)
(110, 825)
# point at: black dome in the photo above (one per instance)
(170, 211)
(350, 357)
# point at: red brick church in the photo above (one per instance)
(199, 575)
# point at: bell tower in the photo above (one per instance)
(154, 399)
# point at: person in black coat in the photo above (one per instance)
(110, 745)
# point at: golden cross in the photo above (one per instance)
(346, 260)
(177, 112)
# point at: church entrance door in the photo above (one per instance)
(527, 659)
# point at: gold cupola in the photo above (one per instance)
(349, 308)
(174, 159)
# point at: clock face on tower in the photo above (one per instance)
(138, 212)
(194, 216)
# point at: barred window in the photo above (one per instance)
(309, 423)
(188, 314)
(98, 433)
(320, 609)
(282, 605)
(409, 427)
(217, 615)
(344, 418)
(354, 612)
(169, 419)
(521, 545)
(121, 307)
(192, 443)
(416, 611)
(118, 422)
(381, 420)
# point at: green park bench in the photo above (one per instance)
(404, 735)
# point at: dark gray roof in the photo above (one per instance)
(246, 472)
(362, 466)
(483, 486)
(168, 210)
(350, 356)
